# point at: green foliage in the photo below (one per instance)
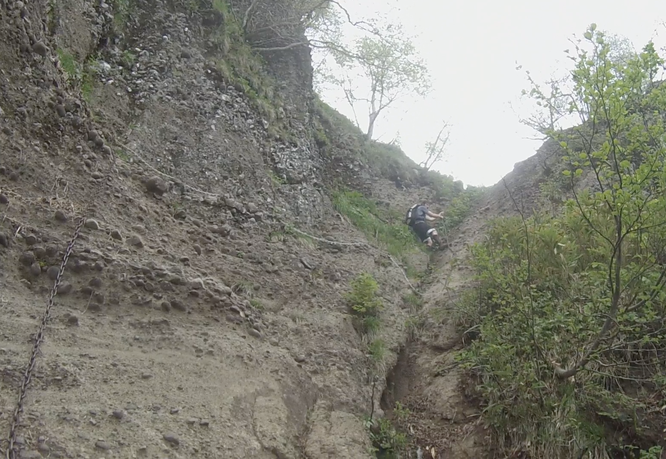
(382, 226)
(459, 208)
(256, 304)
(391, 66)
(68, 63)
(363, 298)
(572, 306)
(78, 74)
(377, 349)
(388, 442)
(122, 11)
(414, 301)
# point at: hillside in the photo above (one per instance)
(238, 279)
(220, 219)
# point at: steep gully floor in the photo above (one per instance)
(442, 420)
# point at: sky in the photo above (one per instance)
(472, 49)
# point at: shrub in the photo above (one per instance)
(363, 297)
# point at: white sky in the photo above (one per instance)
(472, 48)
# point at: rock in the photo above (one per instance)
(118, 414)
(60, 110)
(98, 298)
(30, 455)
(234, 318)
(156, 185)
(135, 241)
(27, 258)
(171, 439)
(178, 305)
(53, 272)
(107, 150)
(146, 376)
(92, 224)
(252, 208)
(166, 306)
(73, 320)
(95, 282)
(196, 284)
(35, 269)
(254, 332)
(4, 240)
(60, 216)
(65, 288)
(40, 48)
(197, 249)
(115, 234)
(31, 239)
(101, 444)
(4, 199)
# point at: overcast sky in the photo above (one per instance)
(472, 48)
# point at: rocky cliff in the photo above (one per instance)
(202, 310)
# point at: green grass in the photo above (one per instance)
(68, 63)
(380, 226)
(377, 350)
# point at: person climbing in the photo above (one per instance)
(417, 219)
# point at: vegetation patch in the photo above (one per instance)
(384, 227)
(364, 302)
(570, 307)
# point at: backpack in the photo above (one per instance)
(414, 214)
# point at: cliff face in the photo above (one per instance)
(191, 320)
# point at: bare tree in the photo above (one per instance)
(435, 150)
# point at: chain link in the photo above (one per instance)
(12, 451)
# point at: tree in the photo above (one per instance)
(573, 329)
(621, 136)
(435, 150)
(390, 64)
(553, 100)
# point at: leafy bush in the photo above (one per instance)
(387, 441)
(572, 333)
(363, 297)
(459, 208)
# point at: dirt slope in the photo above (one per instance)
(188, 324)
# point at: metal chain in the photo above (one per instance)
(12, 451)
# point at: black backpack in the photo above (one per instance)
(412, 215)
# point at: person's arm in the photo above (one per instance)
(433, 216)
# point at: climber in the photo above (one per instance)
(417, 219)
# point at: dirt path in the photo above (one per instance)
(427, 380)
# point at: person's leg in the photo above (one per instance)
(435, 236)
(423, 232)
